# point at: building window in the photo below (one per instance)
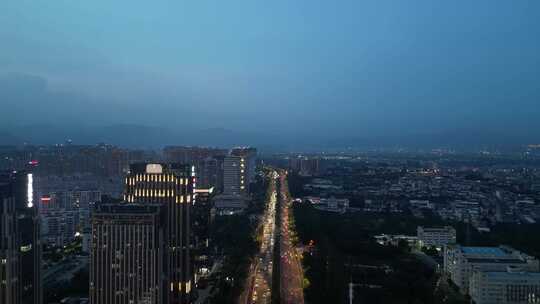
(26, 248)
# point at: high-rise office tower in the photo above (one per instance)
(172, 186)
(20, 245)
(248, 159)
(233, 184)
(201, 215)
(127, 254)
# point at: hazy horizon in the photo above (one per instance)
(276, 72)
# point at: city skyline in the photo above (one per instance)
(267, 152)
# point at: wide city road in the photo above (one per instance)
(259, 282)
(291, 280)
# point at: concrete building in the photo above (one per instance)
(305, 166)
(461, 262)
(309, 167)
(86, 240)
(201, 231)
(209, 172)
(248, 163)
(63, 213)
(330, 204)
(58, 227)
(20, 245)
(200, 214)
(436, 237)
(232, 183)
(226, 204)
(69, 200)
(127, 254)
(508, 287)
(100, 160)
(171, 186)
(393, 240)
(208, 163)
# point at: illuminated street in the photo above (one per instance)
(291, 291)
(259, 284)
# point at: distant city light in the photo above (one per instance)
(201, 190)
(30, 190)
(154, 169)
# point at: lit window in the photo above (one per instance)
(26, 248)
(30, 190)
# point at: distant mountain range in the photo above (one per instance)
(87, 121)
(456, 139)
(140, 136)
(128, 135)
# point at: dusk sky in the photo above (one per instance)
(349, 67)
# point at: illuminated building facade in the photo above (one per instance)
(232, 182)
(127, 254)
(20, 246)
(248, 163)
(172, 186)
